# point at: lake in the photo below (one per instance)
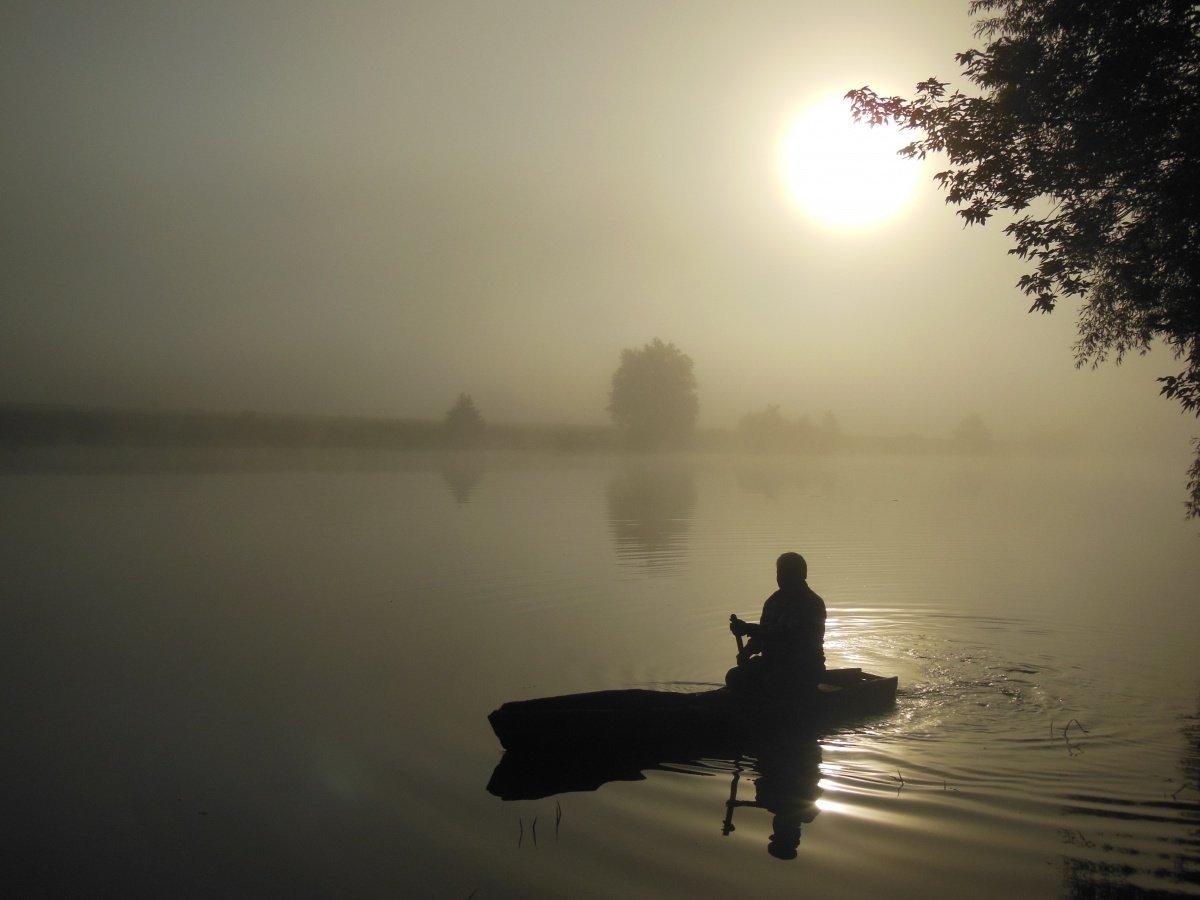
(273, 680)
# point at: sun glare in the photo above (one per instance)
(844, 173)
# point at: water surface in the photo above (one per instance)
(275, 682)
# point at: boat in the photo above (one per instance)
(607, 722)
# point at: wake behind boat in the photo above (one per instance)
(612, 721)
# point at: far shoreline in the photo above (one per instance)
(39, 436)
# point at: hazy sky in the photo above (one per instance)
(368, 207)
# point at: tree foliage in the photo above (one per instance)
(653, 396)
(769, 431)
(972, 436)
(1086, 128)
(463, 423)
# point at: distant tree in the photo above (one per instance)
(463, 423)
(769, 430)
(829, 434)
(1087, 128)
(765, 430)
(805, 431)
(653, 396)
(972, 436)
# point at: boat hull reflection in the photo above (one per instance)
(783, 772)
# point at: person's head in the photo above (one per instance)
(785, 839)
(791, 570)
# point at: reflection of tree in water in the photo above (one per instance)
(462, 475)
(650, 511)
(770, 479)
(1090, 869)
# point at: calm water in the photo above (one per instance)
(275, 683)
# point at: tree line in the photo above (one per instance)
(653, 403)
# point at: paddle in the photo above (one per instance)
(736, 636)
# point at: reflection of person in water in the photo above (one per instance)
(786, 648)
(787, 787)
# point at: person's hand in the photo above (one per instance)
(738, 627)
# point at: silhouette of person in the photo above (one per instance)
(785, 652)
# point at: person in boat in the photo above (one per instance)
(785, 652)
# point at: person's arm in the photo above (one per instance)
(752, 646)
(748, 629)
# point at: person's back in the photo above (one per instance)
(795, 635)
(786, 650)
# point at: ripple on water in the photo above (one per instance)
(1006, 749)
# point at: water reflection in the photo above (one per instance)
(770, 479)
(787, 786)
(784, 774)
(1146, 856)
(462, 474)
(650, 507)
(1190, 764)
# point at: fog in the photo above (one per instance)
(365, 209)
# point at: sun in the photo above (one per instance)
(843, 173)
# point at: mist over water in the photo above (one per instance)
(254, 617)
(251, 682)
(366, 211)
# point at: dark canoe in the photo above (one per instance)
(609, 721)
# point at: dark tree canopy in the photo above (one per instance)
(1086, 128)
(653, 396)
(463, 423)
